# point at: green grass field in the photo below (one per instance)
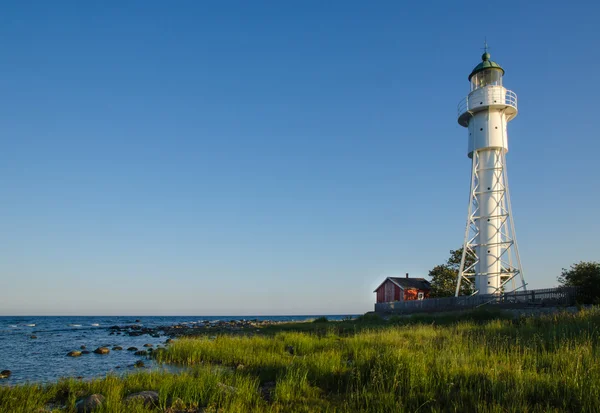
(475, 362)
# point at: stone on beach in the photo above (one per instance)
(5, 374)
(74, 353)
(117, 348)
(89, 404)
(148, 398)
(141, 353)
(132, 349)
(102, 350)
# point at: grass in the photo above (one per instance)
(473, 361)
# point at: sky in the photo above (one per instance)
(267, 157)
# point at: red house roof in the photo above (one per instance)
(408, 283)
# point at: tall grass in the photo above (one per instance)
(544, 364)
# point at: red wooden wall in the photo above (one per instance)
(411, 294)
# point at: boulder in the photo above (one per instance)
(74, 353)
(89, 404)
(139, 363)
(147, 345)
(5, 374)
(33, 337)
(148, 398)
(132, 349)
(169, 341)
(141, 353)
(82, 347)
(117, 348)
(102, 350)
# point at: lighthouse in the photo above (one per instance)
(490, 262)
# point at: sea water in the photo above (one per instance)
(43, 359)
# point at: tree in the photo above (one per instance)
(586, 276)
(444, 276)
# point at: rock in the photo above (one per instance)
(138, 321)
(5, 374)
(141, 353)
(148, 398)
(102, 350)
(147, 345)
(290, 349)
(33, 337)
(176, 405)
(158, 351)
(139, 363)
(226, 388)
(85, 352)
(82, 347)
(89, 404)
(132, 349)
(169, 341)
(74, 353)
(268, 390)
(117, 348)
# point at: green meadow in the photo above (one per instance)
(474, 362)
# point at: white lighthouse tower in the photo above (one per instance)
(490, 260)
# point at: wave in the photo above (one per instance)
(30, 325)
(74, 325)
(95, 325)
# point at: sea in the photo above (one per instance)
(43, 359)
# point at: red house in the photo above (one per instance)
(402, 289)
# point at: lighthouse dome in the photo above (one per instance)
(485, 64)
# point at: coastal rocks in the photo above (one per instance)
(82, 347)
(89, 404)
(169, 341)
(85, 352)
(132, 349)
(147, 345)
(74, 353)
(5, 374)
(226, 388)
(117, 348)
(139, 364)
(158, 351)
(141, 353)
(148, 398)
(267, 391)
(102, 350)
(33, 337)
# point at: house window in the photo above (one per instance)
(420, 296)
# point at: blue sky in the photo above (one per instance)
(272, 157)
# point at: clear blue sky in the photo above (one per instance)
(276, 157)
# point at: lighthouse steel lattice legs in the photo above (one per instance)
(490, 236)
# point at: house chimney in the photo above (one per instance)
(406, 275)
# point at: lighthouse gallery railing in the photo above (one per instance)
(498, 95)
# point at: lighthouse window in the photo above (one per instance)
(489, 77)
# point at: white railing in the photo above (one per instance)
(493, 97)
